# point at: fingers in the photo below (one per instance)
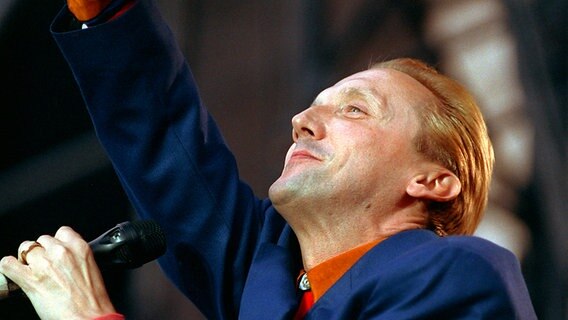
(42, 254)
(73, 241)
(25, 248)
(57, 279)
(65, 239)
(66, 234)
(13, 269)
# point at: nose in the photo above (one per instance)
(308, 124)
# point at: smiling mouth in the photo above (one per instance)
(302, 154)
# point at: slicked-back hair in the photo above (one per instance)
(452, 133)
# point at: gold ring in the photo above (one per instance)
(24, 253)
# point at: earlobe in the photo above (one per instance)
(438, 186)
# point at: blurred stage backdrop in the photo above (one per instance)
(258, 63)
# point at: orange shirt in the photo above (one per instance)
(325, 274)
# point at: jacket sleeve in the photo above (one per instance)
(167, 152)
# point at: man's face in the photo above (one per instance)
(353, 146)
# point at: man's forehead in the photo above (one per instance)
(365, 85)
(373, 75)
(390, 82)
(349, 92)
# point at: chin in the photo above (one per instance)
(284, 192)
(278, 193)
(294, 193)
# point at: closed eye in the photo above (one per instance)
(353, 111)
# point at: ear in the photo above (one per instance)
(441, 185)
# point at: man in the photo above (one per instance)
(387, 165)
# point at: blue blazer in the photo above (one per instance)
(229, 252)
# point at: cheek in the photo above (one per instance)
(378, 151)
(359, 152)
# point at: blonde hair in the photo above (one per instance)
(453, 133)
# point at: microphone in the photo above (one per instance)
(128, 245)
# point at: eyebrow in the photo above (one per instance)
(370, 95)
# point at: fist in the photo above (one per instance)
(60, 277)
(85, 10)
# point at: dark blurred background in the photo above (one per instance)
(260, 62)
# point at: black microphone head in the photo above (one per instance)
(151, 241)
(129, 245)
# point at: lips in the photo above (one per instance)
(303, 154)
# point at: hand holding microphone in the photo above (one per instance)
(60, 274)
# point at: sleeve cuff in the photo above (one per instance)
(110, 316)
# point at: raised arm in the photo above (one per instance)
(167, 151)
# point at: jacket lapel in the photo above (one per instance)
(270, 290)
(368, 266)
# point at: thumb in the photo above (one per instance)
(14, 270)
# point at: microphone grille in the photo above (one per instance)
(151, 237)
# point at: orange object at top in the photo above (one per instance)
(85, 10)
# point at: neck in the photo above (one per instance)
(323, 239)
